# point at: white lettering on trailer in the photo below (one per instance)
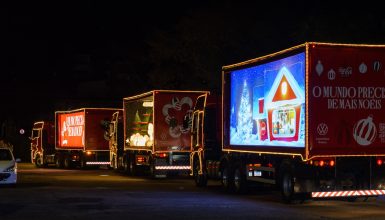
(317, 92)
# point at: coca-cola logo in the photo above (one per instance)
(365, 131)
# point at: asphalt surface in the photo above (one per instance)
(52, 193)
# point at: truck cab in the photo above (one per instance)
(205, 139)
(43, 143)
(116, 140)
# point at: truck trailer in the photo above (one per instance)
(157, 128)
(80, 137)
(43, 143)
(308, 120)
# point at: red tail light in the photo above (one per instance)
(379, 162)
(140, 159)
(323, 163)
(161, 155)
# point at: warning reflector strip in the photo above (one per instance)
(98, 163)
(347, 193)
(172, 167)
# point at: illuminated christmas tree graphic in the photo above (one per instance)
(245, 123)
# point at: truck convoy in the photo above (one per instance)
(76, 138)
(157, 128)
(308, 119)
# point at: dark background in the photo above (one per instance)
(63, 55)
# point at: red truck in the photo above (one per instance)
(308, 119)
(80, 137)
(157, 128)
(43, 143)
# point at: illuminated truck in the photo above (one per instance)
(80, 137)
(157, 128)
(308, 119)
(43, 143)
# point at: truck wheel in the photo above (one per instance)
(126, 167)
(132, 168)
(113, 164)
(67, 163)
(153, 172)
(120, 164)
(116, 165)
(38, 161)
(226, 179)
(200, 180)
(83, 163)
(240, 184)
(287, 185)
(58, 162)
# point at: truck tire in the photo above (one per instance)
(67, 163)
(132, 168)
(125, 166)
(200, 180)
(240, 183)
(83, 163)
(287, 183)
(58, 162)
(128, 166)
(113, 164)
(39, 161)
(226, 180)
(153, 172)
(120, 163)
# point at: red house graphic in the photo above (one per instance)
(283, 104)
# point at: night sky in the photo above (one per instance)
(62, 55)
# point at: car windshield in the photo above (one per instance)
(5, 154)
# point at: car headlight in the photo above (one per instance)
(10, 169)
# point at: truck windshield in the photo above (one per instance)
(5, 154)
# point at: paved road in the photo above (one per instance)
(104, 194)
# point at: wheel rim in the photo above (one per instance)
(237, 179)
(114, 162)
(131, 166)
(39, 161)
(152, 169)
(57, 162)
(287, 185)
(225, 181)
(67, 163)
